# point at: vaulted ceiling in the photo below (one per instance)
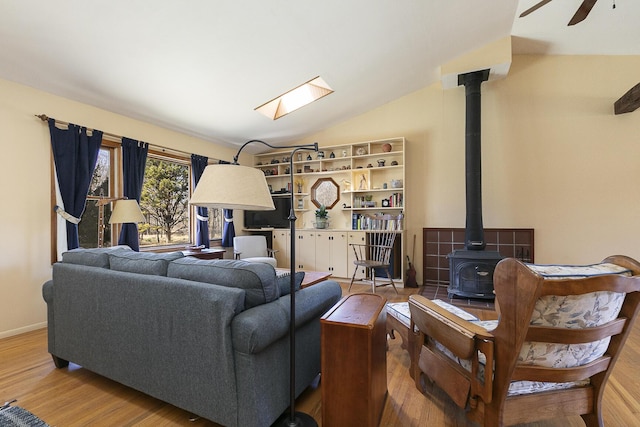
(201, 67)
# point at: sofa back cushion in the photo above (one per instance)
(93, 257)
(257, 279)
(142, 262)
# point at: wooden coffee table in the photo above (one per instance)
(213, 253)
(310, 277)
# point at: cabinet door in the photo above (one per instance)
(358, 237)
(323, 252)
(305, 250)
(280, 243)
(338, 253)
(331, 253)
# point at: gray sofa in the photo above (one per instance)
(210, 337)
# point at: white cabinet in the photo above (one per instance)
(355, 237)
(331, 252)
(317, 250)
(305, 250)
(280, 242)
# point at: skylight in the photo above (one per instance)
(295, 98)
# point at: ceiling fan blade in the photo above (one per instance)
(582, 11)
(534, 8)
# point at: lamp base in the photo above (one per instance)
(300, 420)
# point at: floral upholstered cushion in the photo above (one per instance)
(574, 311)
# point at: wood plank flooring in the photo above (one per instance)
(76, 397)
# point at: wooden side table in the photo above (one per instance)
(354, 361)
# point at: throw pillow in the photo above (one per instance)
(284, 282)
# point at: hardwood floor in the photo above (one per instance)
(76, 397)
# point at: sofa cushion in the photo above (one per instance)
(143, 262)
(257, 279)
(284, 282)
(93, 257)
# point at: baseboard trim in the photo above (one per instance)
(24, 329)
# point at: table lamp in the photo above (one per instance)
(124, 211)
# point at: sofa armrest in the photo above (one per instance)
(255, 329)
(47, 295)
(47, 291)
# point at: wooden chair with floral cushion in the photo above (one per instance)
(559, 334)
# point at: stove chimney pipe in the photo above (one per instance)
(474, 231)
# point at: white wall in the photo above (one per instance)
(555, 157)
(25, 174)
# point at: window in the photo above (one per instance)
(97, 217)
(216, 221)
(164, 202)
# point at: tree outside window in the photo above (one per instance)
(165, 203)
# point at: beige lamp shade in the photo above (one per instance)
(232, 187)
(126, 211)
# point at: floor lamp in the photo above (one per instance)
(231, 186)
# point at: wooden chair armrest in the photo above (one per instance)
(452, 321)
(463, 338)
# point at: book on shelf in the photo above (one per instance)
(374, 223)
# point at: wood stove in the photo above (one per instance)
(471, 269)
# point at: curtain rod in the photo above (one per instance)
(117, 138)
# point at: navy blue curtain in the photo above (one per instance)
(134, 158)
(75, 155)
(228, 229)
(198, 163)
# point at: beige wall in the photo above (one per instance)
(555, 158)
(25, 232)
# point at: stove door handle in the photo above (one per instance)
(482, 273)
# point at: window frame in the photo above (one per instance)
(116, 190)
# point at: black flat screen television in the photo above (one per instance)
(278, 218)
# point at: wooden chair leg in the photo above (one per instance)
(592, 420)
(353, 278)
(392, 284)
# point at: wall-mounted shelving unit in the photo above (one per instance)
(367, 178)
(370, 176)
